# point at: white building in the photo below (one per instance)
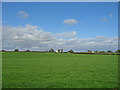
(56, 51)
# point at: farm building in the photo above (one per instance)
(90, 51)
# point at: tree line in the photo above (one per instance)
(109, 52)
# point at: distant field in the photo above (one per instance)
(58, 70)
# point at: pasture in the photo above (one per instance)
(58, 70)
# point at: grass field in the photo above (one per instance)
(58, 70)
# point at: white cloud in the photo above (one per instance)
(100, 36)
(34, 38)
(70, 21)
(103, 19)
(110, 15)
(65, 35)
(22, 14)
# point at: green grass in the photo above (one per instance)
(58, 70)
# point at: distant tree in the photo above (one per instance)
(118, 51)
(46, 51)
(109, 51)
(3, 50)
(89, 51)
(70, 51)
(61, 50)
(58, 50)
(16, 50)
(102, 52)
(27, 50)
(51, 50)
(96, 51)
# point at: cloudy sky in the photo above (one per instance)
(77, 26)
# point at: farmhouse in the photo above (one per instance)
(90, 51)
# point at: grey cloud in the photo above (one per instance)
(111, 15)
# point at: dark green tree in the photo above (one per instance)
(58, 50)
(61, 50)
(118, 51)
(3, 50)
(51, 50)
(70, 51)
(109, 51)
(16, 50)
(95, 51)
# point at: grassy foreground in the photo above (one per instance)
(58, 70)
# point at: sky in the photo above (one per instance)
(79, 26)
